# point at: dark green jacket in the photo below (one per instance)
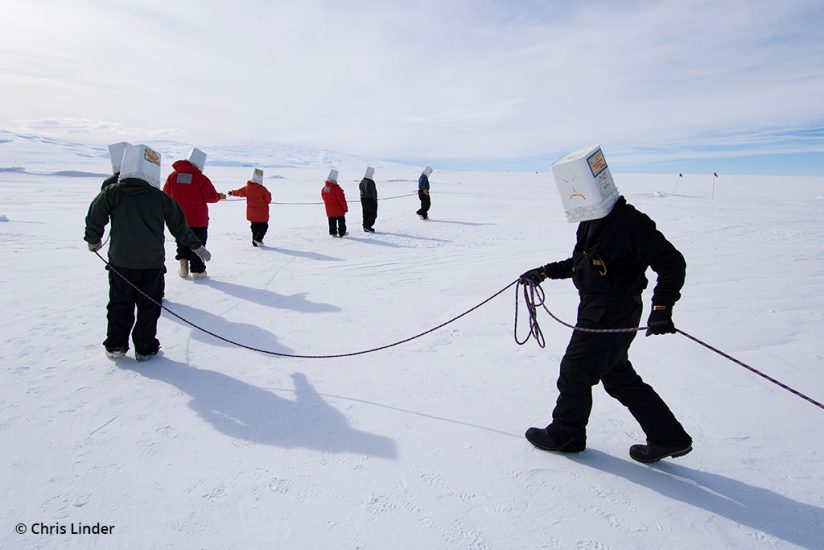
(138, 213)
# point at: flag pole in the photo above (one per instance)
(714, 177)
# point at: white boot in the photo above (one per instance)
(197, 276)
(184, 269)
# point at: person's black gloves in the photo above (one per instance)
(660, 321)
(534, 276)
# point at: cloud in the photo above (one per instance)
(426, 79)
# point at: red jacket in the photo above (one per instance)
(257, 201)
(334, 199)
(192, 190)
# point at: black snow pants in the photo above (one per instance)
(426, 203)
(123, 298)
(337, 226)
(259, 230)
(594, 357)
(370, 211)
(196, 265)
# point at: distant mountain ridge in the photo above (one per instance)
(29, 149)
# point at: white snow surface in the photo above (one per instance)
(419, 445)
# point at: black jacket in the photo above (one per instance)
(138, 213)
(612, 254)
(368, 189)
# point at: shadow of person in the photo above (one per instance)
(242, 411)
(755, 507)
(242, 333)
(294, 302)
(479, 224)
(378, 242)
(301, 253)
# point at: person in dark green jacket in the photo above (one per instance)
(138, 211)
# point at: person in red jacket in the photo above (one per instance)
(257, 205)
(192, 191)
(335, 201)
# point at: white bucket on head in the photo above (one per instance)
(585, 184)
(141, 162)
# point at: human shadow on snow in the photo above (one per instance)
(378, 242)
(264, 297)
(242, 333)
(755, 507)
(416, 237)
(430, 220)
(243, 411)
(300, 253)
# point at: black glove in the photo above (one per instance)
(535, 276)
(660, 321)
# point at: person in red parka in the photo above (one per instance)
(192, 191)
(257, 205)
(335, 201)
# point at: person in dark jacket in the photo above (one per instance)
(138, 211)
(615, 243)
(423, 193)
(116, 155)
(369, 200)
(334, 200)
(193, 191)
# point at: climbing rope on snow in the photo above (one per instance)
(296, 356)
(321, 202)
(532, 291)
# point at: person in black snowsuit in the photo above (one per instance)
(607, 266)
(423, 193)
(369, 200)
(138, 211)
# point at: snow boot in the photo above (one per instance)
(257, 243)
(116, 353)
(198, 276)
(545, 440)
(146, 356)
(651, 452)
(183, 270)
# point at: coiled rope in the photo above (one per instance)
(531, 292)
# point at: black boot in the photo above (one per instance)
(546, 440)
(651, 452)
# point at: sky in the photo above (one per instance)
(661, 85)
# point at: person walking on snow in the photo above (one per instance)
(615, 244)
(257, 205)
(334, 199)
(138, 210)
(423, 193)
(369, 200)
(116, 155)
(193, 191)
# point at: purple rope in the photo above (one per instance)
(532, 290)
(295, 356)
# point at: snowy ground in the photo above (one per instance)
(420, 445)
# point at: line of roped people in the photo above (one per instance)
(131, 200)
(615, 244)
